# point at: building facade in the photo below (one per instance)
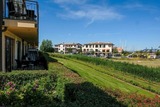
(97, 48)
(68, 48)
(20, 27)
(117, 50)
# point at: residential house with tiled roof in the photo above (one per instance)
(68, 47)
(98, 48)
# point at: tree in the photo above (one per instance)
(158, 52)
(125, 53)
(46, 46)
(115, 50)
(80, 50)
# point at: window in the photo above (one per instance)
(107, 50)
(109, 45)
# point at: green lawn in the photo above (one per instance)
(141, 82)
(101, 79)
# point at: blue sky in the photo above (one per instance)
(131, 24)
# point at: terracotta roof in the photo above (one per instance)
(99, 43)
(68, 44)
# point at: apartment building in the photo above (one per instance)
(68, 47)
(20, 27)
(98, 48)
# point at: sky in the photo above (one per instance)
(131, 24)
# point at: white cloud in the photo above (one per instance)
(94, 13)
(90, 12)
(82, 9)
(139, 6)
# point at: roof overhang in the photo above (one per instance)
(26, 30)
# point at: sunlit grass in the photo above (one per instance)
(101, 79)
(144, 62)
(135, 80)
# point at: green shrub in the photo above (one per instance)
(26, 88)
(22, 77)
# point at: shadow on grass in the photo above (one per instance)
(45, 58)
(48, 58)
(87, 95)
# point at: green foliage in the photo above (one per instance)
(152, 74)
(125, 53)
(26, 88)
(86, 94)
(47, 89)
(60, 89)
(115, 50)
(46, 46)
(158, 52)
(21, 78)
(74, 92)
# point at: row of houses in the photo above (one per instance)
(96, 48)
(19, 30)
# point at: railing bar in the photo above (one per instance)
(29, 5)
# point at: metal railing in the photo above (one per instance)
(21, 10)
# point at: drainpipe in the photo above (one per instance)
(1, 20)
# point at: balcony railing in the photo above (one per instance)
(21, 10)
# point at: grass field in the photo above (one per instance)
(102, 79)
(128, 89)
(71, 82)
(144, 62)
(76, 91)
(132, 79)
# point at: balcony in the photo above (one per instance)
(19, 10)
(22, 19)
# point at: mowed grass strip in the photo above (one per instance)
(152, 74)
(75, 91)
(63, 72)
(101, 79)
(135, 80)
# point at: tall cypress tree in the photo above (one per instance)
(1, 20)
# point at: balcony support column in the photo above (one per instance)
(1, 20)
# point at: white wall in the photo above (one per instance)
(15, 38)
(94, 48)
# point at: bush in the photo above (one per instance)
(26, 88)
(21, 78)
